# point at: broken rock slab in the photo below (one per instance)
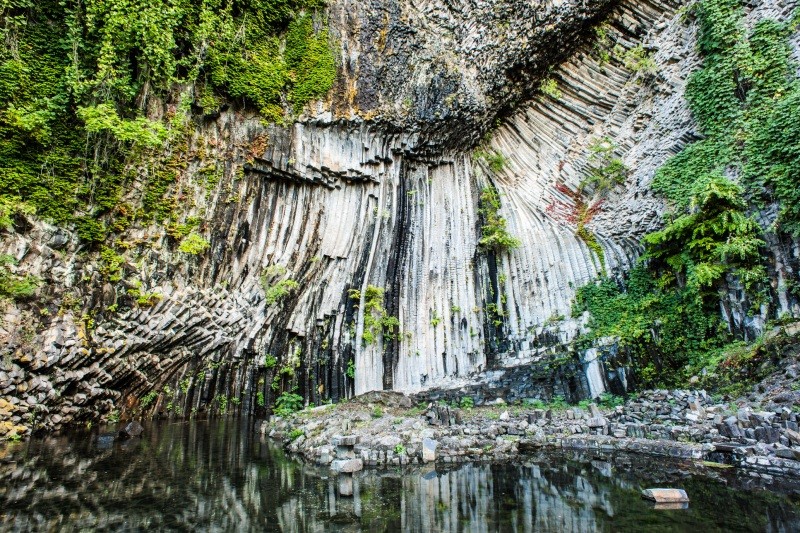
(665, 495)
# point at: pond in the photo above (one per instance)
(218, 476)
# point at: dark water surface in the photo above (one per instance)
(217, 476)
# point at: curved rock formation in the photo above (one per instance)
(375, 189)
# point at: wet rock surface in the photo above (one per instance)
(682, 424)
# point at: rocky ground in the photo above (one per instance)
(758, 433)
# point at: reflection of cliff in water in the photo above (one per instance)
(216, 476)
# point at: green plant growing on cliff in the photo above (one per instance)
(639, 60)
(495, 236)
(10, 208)
(376, 319)
(270, 361)
(193, 244)
(281, 290)
(351, 369)
(605, 170)
(494, 160)
(222, 403)
(141, 297)
(147, 399)
(111, 264)
(288, 403)
(76, 79)
(15, 286)
(549, 87)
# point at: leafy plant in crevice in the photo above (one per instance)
(276, 287)
(193, 244)
(287, 403)
(377, 321)
(494, 231)
(495, 160)
(14, 286)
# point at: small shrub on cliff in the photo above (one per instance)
(495, 235)
(193, 244)
(287, 403)
(15, 286)
(280, 290)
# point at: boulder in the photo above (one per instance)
(133, 429)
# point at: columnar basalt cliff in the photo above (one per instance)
(345, 248)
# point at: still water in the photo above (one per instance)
(218, 476)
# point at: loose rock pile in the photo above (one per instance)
(678, 423)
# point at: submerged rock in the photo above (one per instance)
(133, 429)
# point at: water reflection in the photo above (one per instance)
(216, 476)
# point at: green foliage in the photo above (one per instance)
(296, 433)
(147, 399)
(15, 286)
(399, 449)
(605, 170)
(549, 87)
(495, 235)
(376, 319)
(288, 403)
(638, 60)
(138, 131)
(607, 399)
(11, 207)
(746, 99)
(467, 402)
(222, 403)
(351, 369)
(111, 264)
(715, 237)
(377, 412)
(270, 361)
(494, 160)
(193, 244)
(280, 290)
(141, 297)
(80, 83)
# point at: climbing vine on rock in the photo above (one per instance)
(746, 100)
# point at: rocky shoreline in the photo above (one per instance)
(388, 429)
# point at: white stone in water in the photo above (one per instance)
(666, 495)
(347, 466)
